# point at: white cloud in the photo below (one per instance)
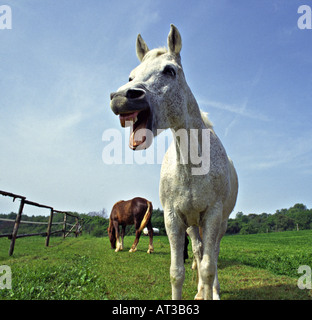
(240, 110)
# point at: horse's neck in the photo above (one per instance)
(185, 136)
(193, 118)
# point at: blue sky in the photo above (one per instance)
(246, 61)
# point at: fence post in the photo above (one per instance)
(80, 226)
(49, 228)
(64, 225)
(16, 225)
(77, 225)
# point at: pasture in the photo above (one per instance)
(261, 266)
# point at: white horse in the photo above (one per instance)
(193, 196)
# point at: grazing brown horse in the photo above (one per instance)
(137, 211)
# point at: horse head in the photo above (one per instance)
(156, 93)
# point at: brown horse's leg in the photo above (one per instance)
(118, 243)
(136, 241)
(123, 232)
(150, 234)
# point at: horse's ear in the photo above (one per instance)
(174, 40)
(141, 48)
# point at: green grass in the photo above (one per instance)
(282, 252)
(262, 266)
(266, 264)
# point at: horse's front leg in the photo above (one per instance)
(208, 265)
(176, 234)
(118, 243)
(216, 285)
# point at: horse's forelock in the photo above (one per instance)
(152, 54)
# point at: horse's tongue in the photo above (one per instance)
(126, 120)
(138, 136)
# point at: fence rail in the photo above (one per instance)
(75, 228)
(31, 222)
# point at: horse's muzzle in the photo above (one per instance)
(128, 101)
(133, 109)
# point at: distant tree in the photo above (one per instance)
(158, 221)
(102, 213)
(233, 226)
(299, 206)
(239, 215)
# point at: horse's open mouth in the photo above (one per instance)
(138, 121)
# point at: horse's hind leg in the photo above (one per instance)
(136, 241)
(150, 234)
(197, 249)
(123, 232)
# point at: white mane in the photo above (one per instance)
(207, 122)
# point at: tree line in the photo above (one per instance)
(297, 217)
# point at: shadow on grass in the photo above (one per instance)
(242, 282)
(269, 292)
(141, 251)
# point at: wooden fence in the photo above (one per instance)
(75, 228)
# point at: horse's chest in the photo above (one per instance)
(187, 195)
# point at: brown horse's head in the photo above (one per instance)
(112, 236)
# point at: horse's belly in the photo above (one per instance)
(187, 203)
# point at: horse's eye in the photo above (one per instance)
(130, 79)
(169, 71)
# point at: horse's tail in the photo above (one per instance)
(147, 216)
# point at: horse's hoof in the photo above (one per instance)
(133, 250)
(198, 297)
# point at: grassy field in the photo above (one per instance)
(262, 266)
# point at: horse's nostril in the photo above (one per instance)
(135, 93)
(112, 95)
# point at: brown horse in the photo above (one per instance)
(137, 211)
